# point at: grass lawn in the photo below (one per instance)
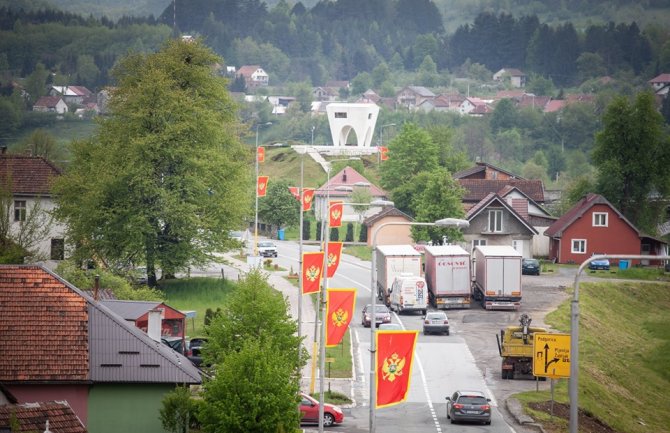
(624, 368)
(634, 273)
(196, 294)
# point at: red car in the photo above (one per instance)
(309, 409)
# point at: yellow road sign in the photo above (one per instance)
(330, 359)
(551, 355)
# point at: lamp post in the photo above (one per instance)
(447, 222)
(258, 125)
(322, 305)
(312, 142)
(381, 137)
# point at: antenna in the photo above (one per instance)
(174, 18)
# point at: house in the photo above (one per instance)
(411, 97)
(59, 344)
(661, 84)
(394, 234)
(516, 77)
(29, 179)
(325, 94)
(173, 321)
(341, 187)
(592, 226)
(51, 104)
(72, 94)
(254, 76)
(493, 221)
(532, 101)
(484, 170)
(441, 103)
(52, 416)
(474, 106)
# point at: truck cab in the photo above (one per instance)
(408, 293)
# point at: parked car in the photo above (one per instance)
(194, 350)
(382, 315)
(175, 343)
(390, 327)
(309, 411)
(603, 264)
(267, 249)
(238, 236)
(436, 321)
(530, 267)
(472, 406)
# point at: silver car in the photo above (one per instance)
(436, 322)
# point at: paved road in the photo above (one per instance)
(468, 358)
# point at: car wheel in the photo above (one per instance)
(425, 332)
(447, 332)
(488, 423)
(453, 421)
(328, 419)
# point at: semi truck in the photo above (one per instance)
(408, 294)
(448, 276)
(515, 345)
(497, 277)
(393, 261)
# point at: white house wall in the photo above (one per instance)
(57, 230)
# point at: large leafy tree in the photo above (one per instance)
(165, 178)
(632, 155)
(258, 358)
(279, 207)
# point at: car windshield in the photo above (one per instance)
(467, 399)
(266, 244)
(530, 261)
(436, 316)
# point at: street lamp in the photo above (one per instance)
(446, 222)
(313, 128)
(258, 125)
(324, 291)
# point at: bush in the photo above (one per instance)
(318, 230)
(334, 234)
(349, 237)
(363, 235)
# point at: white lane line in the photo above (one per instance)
(438, 428)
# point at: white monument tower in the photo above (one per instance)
(344, 118)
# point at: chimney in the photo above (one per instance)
(3, 150)
(96, 287)
(154, 327)
(344, 176)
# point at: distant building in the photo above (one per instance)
(51, 104)
(254, 76)
(516, 77)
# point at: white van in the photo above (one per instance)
(408, 293)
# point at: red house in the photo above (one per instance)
(592, 226)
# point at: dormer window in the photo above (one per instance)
(495, 221)
(600, 219)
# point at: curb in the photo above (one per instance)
(516, 409)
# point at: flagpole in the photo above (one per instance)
(256, 262)
(447, 222)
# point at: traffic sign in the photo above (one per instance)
(551, 355)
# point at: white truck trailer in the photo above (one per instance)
(497, 277)
(448, 276)
(393, 261)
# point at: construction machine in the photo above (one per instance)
(515, 345)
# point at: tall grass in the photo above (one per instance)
(624, 367)
(197, 294)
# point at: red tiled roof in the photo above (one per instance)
(386, 212)
(583, 205)
(32, 417)
(44, 327)
(554, 105)
(30, 175)
(493, 197)
(663, 78)
(47, 101)
(477, 189)
(247, 70)
(348, 176)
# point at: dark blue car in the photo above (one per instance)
(601, 264)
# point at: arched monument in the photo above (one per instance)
(344, 118)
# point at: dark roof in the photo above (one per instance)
(30, 175)
(579, 209)
(53, 332)
(481, 166)
(488, 200)
(386, 212)
(33, 417)
(477, 189)
(130, 310)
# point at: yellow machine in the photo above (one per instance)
(515, 345)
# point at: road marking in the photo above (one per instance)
(438, 428)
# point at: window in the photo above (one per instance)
(340, 115)
(579, 246)
(599, 219)
(19, 210)
(495, 221)
(478, 242)
(57, 249)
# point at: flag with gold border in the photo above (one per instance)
(262, 185)
(383, 153)
(393, 360)
(334, 256)
(339, 312)
(312, 271)
(295, 192)
(335, 210)
(260, 153)
(307, 198)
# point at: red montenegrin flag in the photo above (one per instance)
(262, 185)
(395, 350)
(260, 153)
(295, 192)
(383, 153)
(339, 312)
(334, 255)
(312, 272)
(335, 214)
(307, 198)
